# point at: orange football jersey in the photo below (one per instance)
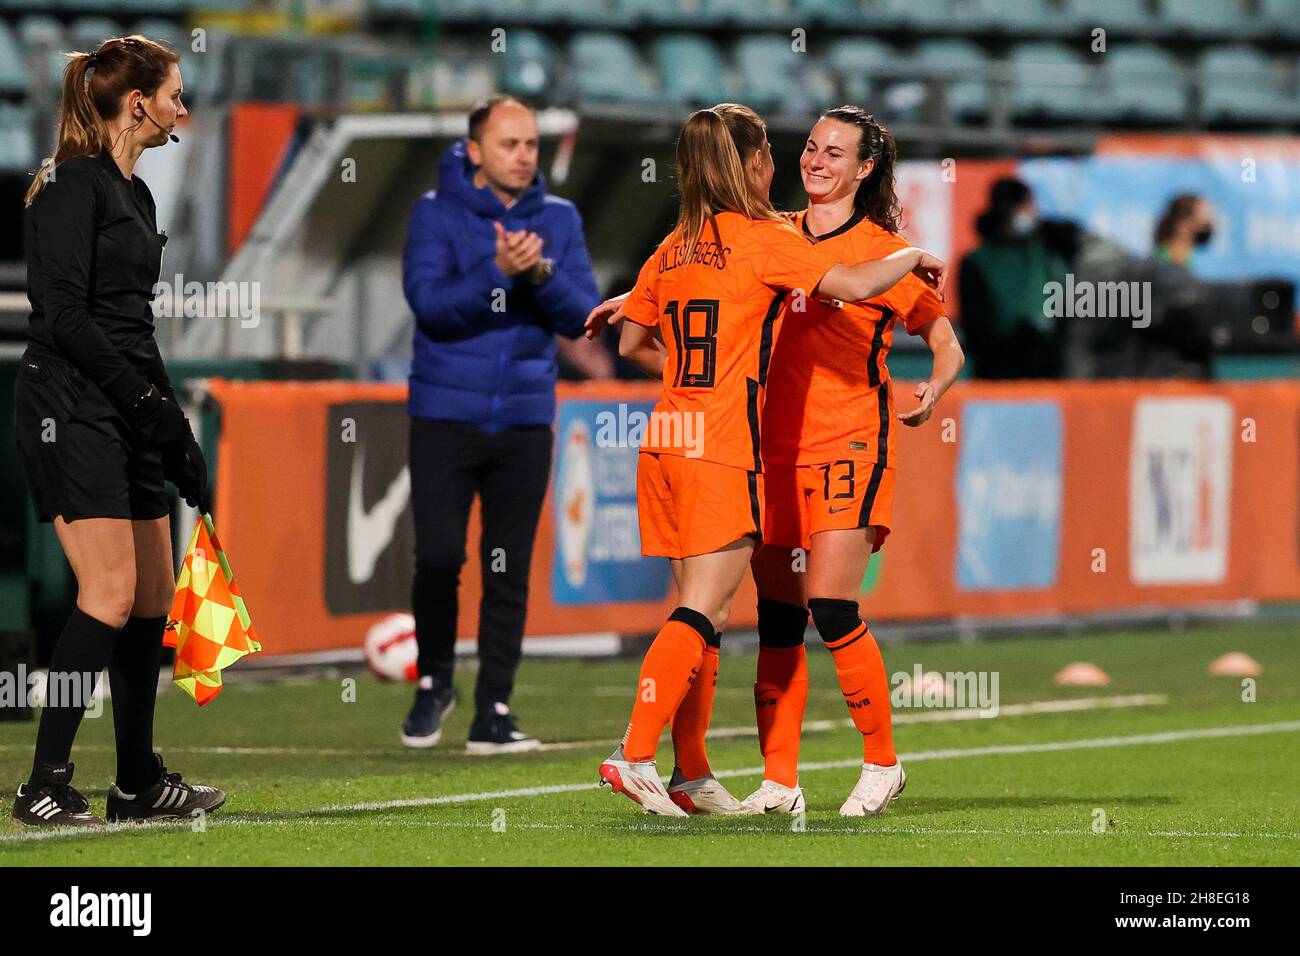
(717, 310)
(828, 392)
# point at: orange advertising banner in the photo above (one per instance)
(1019, 498)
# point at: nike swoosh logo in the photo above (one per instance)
(370, 532)
(836, 511)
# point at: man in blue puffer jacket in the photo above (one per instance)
(493, 269)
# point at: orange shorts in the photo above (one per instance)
(803, 500)
(687, 506)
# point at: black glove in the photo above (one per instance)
(186, 468)
(158, 422)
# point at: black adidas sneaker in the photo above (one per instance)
(497, 732)
(423, 725)
(169, 799)
(49, 800)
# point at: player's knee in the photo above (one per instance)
(699, 622)
(781, 624)
(834, 618)
(108, 601)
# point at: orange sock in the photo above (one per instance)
(780, 698)
(691, 722)
(666, 672)
(861, 672)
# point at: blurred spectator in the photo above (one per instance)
(1178, 341)
(1003, 317)
(494, 269)
(1186, 224)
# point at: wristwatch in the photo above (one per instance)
(545, 270)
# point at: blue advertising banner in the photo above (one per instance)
(597, 543)
(1009, 495)
(1256, 206)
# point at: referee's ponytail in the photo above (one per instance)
(94, 85)
(877, 196)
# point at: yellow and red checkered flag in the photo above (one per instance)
(209, 627)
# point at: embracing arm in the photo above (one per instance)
(866, 280)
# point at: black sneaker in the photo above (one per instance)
(497, 732)
(49, 800)
(423, 725)
(171, 798)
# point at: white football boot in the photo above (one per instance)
(640, 782)
(704, 795)
(773, 797)
(876, 787)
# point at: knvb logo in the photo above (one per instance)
(76, 909)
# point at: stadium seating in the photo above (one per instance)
(690, 69)
(1144, 83)
(607, 67)
(17, 147)
(1110, 15)
(1051, 81)
(13, 77)
(857, 62)
(1240, 83)
(87, 33)
(527, 65)
(1280, 17)
(968, 91)
(773, 77)
(1208, 18)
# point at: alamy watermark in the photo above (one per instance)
(39, 688)
(1084, 299)
(961, 690)
(208, 300)
(634, 429)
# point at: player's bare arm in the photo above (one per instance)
(866, 280)
(948, 360)
(643, 348)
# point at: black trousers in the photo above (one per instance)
(509, 471)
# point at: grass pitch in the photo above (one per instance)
(1165, 766)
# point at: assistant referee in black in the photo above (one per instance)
(98, 428)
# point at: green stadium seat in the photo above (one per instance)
(40, 31)
(857, 61)
(834, 13)
(17, 145)
(1280, 17)
(169, 32)
(774, 77)
(527, 64)
(1123, 15)
(1222, 19)
(968, 90)
(752, 13)
(87, 33)
(606, 67)
(691, 69)
(918, 14)
(606, 14)
(1024, 16)
(1240, 84)
(13, 74)
(683, 14)
(1144, 83)
(1051, 81)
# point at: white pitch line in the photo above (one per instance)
(1172, 736)
(900, 717)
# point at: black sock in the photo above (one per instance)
(133, 677)
(82, 649)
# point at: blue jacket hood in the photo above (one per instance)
(456, 183)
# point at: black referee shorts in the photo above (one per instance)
(76, 451)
